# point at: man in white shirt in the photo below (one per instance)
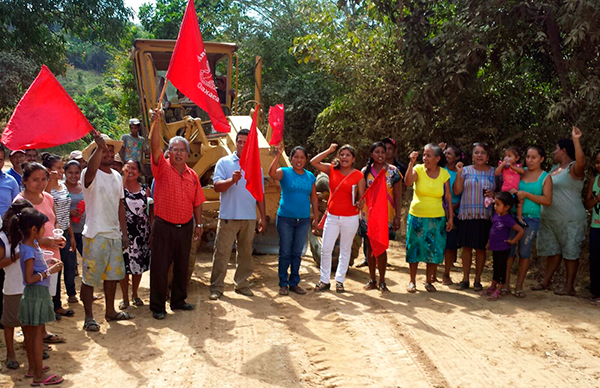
(105, 229)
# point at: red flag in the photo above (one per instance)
(250, 162)
(377, 205)
(276, 121)
(45, 117)
(190, 73)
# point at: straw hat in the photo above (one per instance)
(87, 152)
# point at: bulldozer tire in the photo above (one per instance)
(315, 243)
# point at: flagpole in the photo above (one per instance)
(158, 106)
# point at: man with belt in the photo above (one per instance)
(178, 198)
(237, 220)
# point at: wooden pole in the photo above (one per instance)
(158, 106)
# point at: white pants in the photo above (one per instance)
(335, 226)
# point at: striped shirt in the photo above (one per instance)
(62, 206)
(472, 205)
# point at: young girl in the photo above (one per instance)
(13, 285)
(453, 156)
(137, 254)
(592, 202)
(499, 242)
(36, 307)
(511, 171)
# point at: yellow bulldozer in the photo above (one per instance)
(151, 59)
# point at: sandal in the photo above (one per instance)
(320, 287)
(563, 292)
(538, 287)
(137, 302)
(383, 288)
(121, 316)
(430, 288)
(477, 287)
(12, 364)
(52, 380)
(67, 313)
(505, 291)
(412, 288)
(495, 295)
(339, 287)
(123, 305)
(91, 325)
(464, 285)
(371, 285)
(519, 293)
(54, 339)
(447, 282)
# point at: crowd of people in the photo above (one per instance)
(122, 228)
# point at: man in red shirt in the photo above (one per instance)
(178, 198)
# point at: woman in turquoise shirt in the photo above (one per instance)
(293, 216)
(535, 191)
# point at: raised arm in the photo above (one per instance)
(498, 170)
(545, 199)
(457, 187)
(316, 162)
(95, 159)
(579, 171)
(411, 175)
(155, 148)
(274, 172)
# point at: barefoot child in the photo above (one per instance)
(511, 171)
(36, 308)
(499, 243)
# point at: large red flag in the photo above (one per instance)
(190, 73)
(276, 121)
(45, 117)
(250, 162)
(377, 205)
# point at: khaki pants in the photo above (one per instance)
(228, 232)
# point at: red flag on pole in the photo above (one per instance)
(250, 162)
(190, 72)
(377, 224)
(45, 117)
(276, 122)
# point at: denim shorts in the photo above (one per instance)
(526, 242)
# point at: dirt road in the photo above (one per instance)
(444, 339)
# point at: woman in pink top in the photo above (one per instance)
(35, 180)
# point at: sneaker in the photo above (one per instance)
(215, 295)
(298, 290)
(339, 287)
(246, 291)
(488, 291)
(320, 287)
(497, 294)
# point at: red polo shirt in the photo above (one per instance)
(175, 195)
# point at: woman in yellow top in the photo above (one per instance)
(427, 224)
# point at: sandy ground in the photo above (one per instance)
(444, 339)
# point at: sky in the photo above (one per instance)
(135, 5)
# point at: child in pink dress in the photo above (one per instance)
(511, 171)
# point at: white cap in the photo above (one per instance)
(75, 155)
(134, 122)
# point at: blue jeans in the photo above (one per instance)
(69, 260)
(292, 236)
(526, 242)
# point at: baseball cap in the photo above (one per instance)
(16, 151)
(134, 121)
(76, 155)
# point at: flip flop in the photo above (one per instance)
(121, 316)
(447, 282)
(45, 368)
(563, 292)
(91, 325)
(123, 305)
(138, 302)
(519, 293)
(11, 364)
(54, 339)
(538, 287)
(51, 380)
(412, 288)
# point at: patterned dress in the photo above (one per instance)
(137, 255)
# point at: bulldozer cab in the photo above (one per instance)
(184, 118)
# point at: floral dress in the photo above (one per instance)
(137, 255)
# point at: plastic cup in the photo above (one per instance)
(58, 233)
(48, 255)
